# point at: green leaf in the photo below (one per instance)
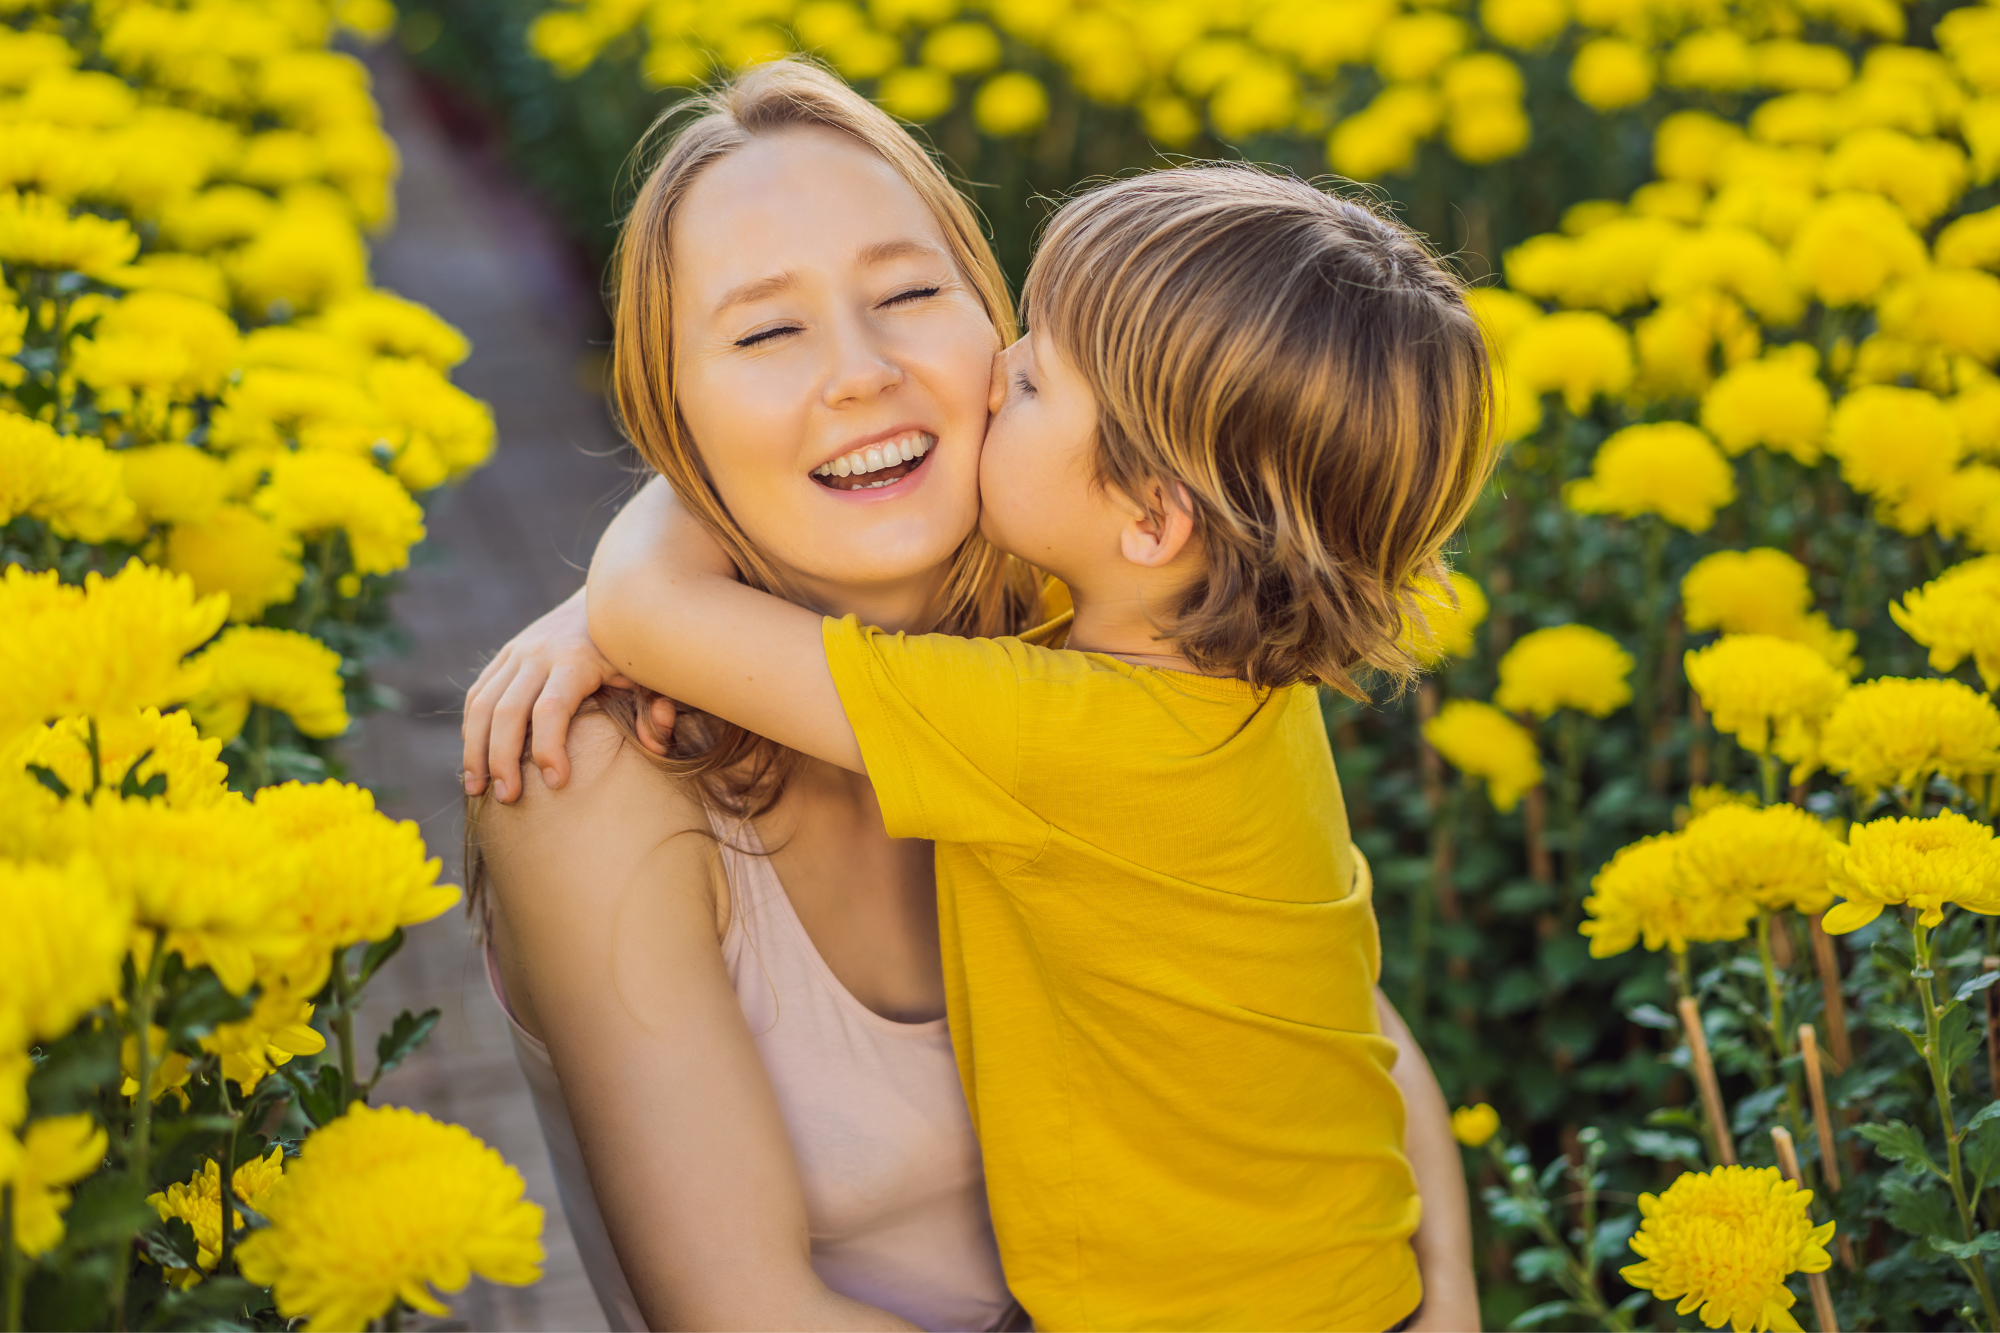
(199, 1004)
(319, 1098)
(1652, 1016)
(1974, 986)
(1678, 1117)
(1612, 1234)
(1659, 1144)
(71, 1071)
(1542, 1314)
(402, 1039)
(129, 786)
(47, 777)
(108, 1207)
(1539, 1264)
(379, 953)
(1958, 1037)
(1753, 1110)
(1900, 1143)
(171, 1244)
(1980, 1117)
(1986, 1242)
(214, 1303)
(1891, 957)
(1916, 1206)
(1982, 1151)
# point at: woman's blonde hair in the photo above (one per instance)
(984, 592)
(1308, 371)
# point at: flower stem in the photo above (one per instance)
(1569, 735)
(1975, 1268)
(1577, 1279)
(343, 1026)
(260, 746)
(228, 1169)
(1767, 774)
(13, 1264)
(139, 1146)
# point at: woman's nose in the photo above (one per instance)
(863, 369)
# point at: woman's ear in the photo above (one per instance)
(1155, 537)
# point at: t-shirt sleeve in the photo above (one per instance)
(938, 718)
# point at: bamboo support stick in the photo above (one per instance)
(1822, 1295)
(1828, 963)
(1829, 1159)
(1704, 1074)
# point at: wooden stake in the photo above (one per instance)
(1829, 1160)
(1704, 1075)
(1828, 963)
(1822, 1295)
(1535, 824)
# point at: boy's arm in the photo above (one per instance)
(1444, 1238)
(667, 610)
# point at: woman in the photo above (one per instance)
(772, 1130)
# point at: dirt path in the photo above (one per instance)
(503, 548)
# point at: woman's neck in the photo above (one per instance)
(906, 604)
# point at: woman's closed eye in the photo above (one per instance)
(762, 336)
(1023, 383)
(913, 294)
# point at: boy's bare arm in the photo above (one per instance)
(666, 608)
(1444, 1238)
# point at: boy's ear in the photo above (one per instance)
(1155, 537)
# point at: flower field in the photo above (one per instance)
(215, 437)
(1686, 849)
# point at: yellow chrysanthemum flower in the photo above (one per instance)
(63, 948)
(241, 554)
(1448, 620)
(1668, 468)
(1761, 591)
(108, 648)
(170, 1070)
(199, 1204)
(1010, 103)
(364, 874)
(1920, 863)
(71, 483)
(55, 1154)
(384, 324)
(1643, 896)
(1777, 856)
(38, 232)
(1567, 666)
(276, 668)
(1851, 246)
(1777, 401)
(1772, 694)
(1957, 615)
(174, 483)
(1723, 1242)
(202, 339)
(279, 1028)
(1479, 740)
(307, 256)
(1957, 310)
(1895, 444)
(317, 492)
(1610, 73)
(1475, 1126)
(386, 1204)
(1733, 260)
(1577, 353)
(1895, 732)
(141, 746)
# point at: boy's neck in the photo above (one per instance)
(1124, 622)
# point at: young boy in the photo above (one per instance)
(1248, 416)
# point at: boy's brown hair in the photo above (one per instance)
(1309, 371)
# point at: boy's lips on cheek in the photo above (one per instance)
(879, 466)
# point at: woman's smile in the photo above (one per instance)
(878, 464)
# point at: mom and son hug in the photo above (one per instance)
(914, 866)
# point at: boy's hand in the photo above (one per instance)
(541, 677)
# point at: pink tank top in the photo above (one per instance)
(895, 1194)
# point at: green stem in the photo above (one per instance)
(343, 1026)
(227, 1166)
(13, 1264)
(1574, 1277)
(1767, 775)
(260, 746)
(1774, 987)
(139, 1146)
(1683, 974)
(316, 593)
(1570, 740)
(1920, 937)
(1653, 614)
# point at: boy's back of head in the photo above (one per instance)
(1308, 370)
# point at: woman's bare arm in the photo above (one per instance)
(1444, 1238)
(610, 925)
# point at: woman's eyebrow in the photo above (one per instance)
(756, 290)
(907, 247)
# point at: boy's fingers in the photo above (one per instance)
(656, 725)
(567, 687)
(476, 727)
(510, 734)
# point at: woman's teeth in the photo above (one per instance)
(904, 448)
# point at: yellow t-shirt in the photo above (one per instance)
(1159, 957)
